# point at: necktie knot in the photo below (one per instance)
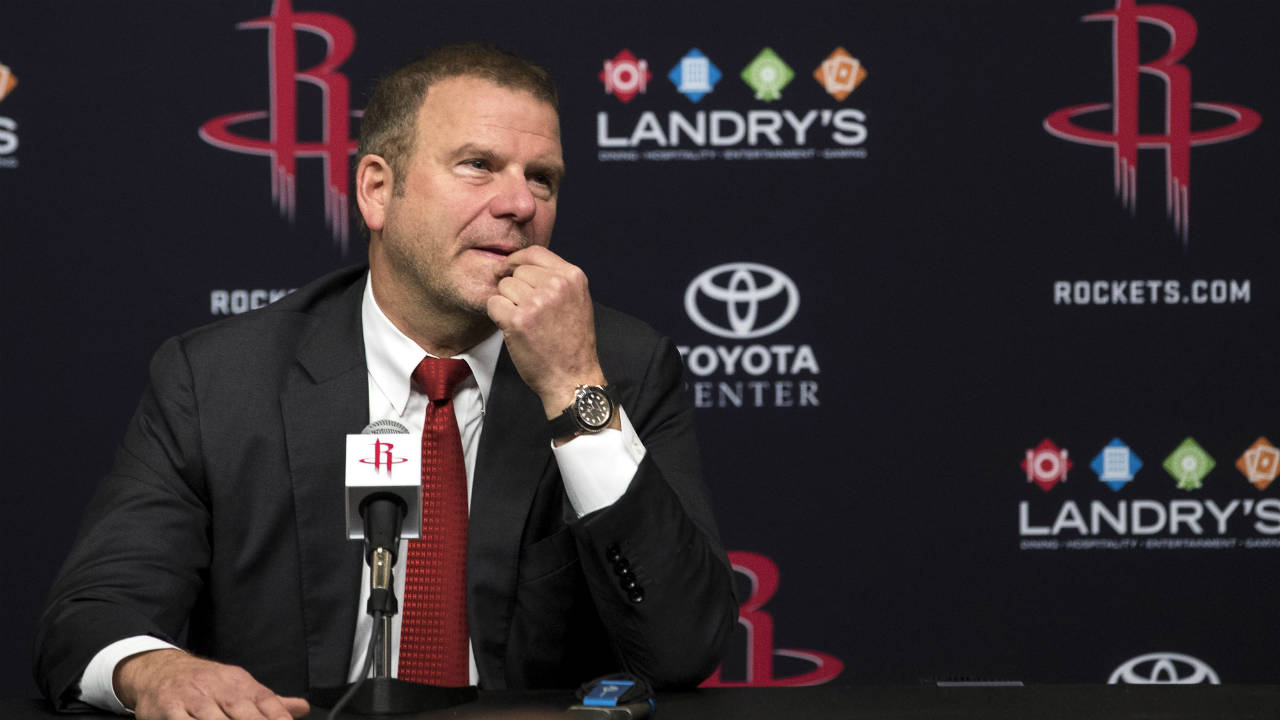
(438, 378)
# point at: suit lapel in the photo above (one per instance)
(513, 457)
(325, 398)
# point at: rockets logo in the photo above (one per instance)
(283, 145)
(1178, 138)
(382, 459)
(760, 652)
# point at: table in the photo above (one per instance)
(860, 702)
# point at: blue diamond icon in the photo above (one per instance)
(695, 75)
(1116, 464)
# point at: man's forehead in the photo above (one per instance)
(477, 99)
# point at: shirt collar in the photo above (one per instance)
(391, 355)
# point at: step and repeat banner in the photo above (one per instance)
(977, 300)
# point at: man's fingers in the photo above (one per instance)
(535, 255)
(200, 707)
(172, 685)
(295, 706)
(516, 290)
(533, 275)
(239, 708)
(274, 707)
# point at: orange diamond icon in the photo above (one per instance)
(1260, 463)
(840, 73)
(8, 81)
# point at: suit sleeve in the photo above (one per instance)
(653, 560)
(134, 568)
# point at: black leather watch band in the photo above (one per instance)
(570, 424)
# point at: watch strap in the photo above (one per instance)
(566, 423)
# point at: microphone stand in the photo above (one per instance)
(382, 694)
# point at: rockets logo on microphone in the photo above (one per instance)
(372, 467)
(383, 460)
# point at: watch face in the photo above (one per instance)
(593, 408)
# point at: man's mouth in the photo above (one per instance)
(497, 249)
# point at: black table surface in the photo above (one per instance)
(854, 702)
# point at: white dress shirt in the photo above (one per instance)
(596, 469)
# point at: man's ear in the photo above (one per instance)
(374, 185)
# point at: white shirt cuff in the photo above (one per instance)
(96, 686)
(597, 469)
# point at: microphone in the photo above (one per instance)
(383, 462)
(384, 503)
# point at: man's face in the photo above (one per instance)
(482, 183)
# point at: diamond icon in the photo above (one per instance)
(1116, 465)
(767, 74)
(1260, 463)
(840, 73)
(1188, 464)
(1046, 464)
(625, 76)
(695, 76)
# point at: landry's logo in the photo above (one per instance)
(780, 131)
(1169, 520)
(760, 653)
(1176, 141)
(282, 143)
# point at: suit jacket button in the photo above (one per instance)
(636, 595)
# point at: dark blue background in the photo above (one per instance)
(925, 273)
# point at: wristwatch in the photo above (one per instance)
(592, 410)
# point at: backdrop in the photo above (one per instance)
(977, 299)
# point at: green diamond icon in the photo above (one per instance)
(1188, 464)
(767, 75)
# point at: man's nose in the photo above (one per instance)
(514, 200)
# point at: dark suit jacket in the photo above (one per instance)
(223, 517)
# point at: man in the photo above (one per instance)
(221, 527)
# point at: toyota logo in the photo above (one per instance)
(753, 300)
(1164, 668)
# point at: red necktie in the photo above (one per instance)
(433, 627)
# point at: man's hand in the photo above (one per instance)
(544, 310)
(172, 684)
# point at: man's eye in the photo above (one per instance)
(477, 163)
